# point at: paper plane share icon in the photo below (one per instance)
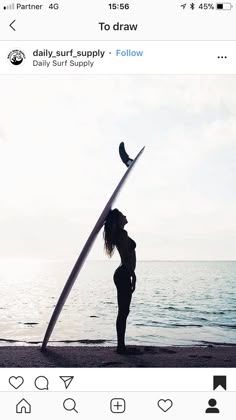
(67, 380)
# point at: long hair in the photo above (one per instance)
(111, 228)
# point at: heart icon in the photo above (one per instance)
(165, 405)
(16, 381)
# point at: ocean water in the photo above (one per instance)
(175, 303)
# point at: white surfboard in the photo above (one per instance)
(82, 257)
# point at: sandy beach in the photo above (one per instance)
(174, 356)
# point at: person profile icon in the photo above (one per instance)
(212, 409)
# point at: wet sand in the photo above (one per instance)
(148, 356)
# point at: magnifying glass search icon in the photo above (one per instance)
(70, 405)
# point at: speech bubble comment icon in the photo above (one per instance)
(41, 383)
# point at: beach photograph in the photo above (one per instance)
(152, 284)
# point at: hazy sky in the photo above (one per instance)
(59, 164)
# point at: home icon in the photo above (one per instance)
(23, 407)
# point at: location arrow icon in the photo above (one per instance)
(67, 380)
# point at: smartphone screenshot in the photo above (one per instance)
(117, 209)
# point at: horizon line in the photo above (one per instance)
(112, 260)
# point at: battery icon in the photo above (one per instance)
(224, 6)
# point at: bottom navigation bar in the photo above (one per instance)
(129, 405)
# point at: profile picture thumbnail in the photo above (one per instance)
(16, 57)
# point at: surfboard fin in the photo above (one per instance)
(124, 156)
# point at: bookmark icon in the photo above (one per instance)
(219, 381)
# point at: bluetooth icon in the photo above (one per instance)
(192, 6)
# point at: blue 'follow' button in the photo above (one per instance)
(129, 53)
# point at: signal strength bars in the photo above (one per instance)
(9, 6)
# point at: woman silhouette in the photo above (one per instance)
(124, 277)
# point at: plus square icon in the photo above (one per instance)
(117, 405)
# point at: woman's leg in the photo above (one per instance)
(124, 294)
(123, 312)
